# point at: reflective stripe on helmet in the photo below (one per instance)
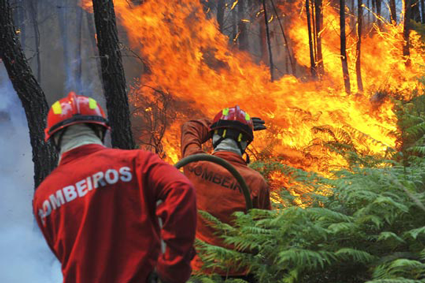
(224, 133)
(225, 111)
(57, 108)
(92, 103)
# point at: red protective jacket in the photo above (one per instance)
(97, 211)
(217, 191)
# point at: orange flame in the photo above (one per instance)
(189, 58)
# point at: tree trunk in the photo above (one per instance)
(20, 23)
(359, 44)
(310, 41)
(319, 26)
(416, 13)
(234, 26)
(345, 73)
(79, 67)
(266, 22)
(92, 36)
(33, 12)
(288, 49)
(368, 11)
(422, 11)
(263, 42)
(62, 6)
(113, 78)
(29, 92)
(393, 11)
(378, 12)
(406, 31)
(243, 34)
(220, 14)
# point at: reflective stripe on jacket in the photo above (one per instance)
(97, 211)
(217, 191)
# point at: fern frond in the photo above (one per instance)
(323, 213)
(347, 254)
(414, 233)
(215, 222)
(417, 129)
(305, 258)
(385, 236)
(337, 228)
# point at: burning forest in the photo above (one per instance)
(306, 106)
(337, 162)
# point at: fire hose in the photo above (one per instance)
(220, 161)
(153, 278)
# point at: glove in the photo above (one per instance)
(258, 124)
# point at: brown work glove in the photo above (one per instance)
(258, 124)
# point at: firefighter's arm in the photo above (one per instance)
(265, 197)
(37, 215)
(262, 200)
(194, 134)
(178, 213)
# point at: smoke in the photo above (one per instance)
(24, 254)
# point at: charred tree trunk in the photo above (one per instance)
(359, 45)
(220, 14)
(393, 11)
(243, 34)
(29, 92)
(234, 26)
(310, 40)
(416, 13)
(266, 22)
(345, 73)
(319, 26)
(114, 84)
(406, 31)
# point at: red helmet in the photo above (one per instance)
(236, 119)
(71, 110)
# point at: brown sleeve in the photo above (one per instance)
(263, 201)
(194, 134)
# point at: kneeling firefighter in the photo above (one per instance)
(97, 209)
(217, 191)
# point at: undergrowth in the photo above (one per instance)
(365, 224)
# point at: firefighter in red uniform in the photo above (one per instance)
(97, 209)
(217, 191)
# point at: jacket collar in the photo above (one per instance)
(80, 151)
(230, 157)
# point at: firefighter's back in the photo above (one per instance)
(219, 194)
(94, 209)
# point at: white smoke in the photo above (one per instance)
(24, 254)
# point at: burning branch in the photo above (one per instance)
(156, 111)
